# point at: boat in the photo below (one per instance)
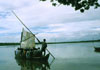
(28, 49)
(97, 49)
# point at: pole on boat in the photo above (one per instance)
(25, 26)
(30, 31)
(50, 53)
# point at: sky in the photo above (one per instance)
(56, 24)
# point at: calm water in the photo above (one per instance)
(70, 56)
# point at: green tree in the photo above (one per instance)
(81, 5)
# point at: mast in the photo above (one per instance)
(25, 26)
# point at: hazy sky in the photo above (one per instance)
(61, 23)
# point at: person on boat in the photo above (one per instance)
(44, 46)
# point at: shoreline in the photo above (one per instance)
(1, 44)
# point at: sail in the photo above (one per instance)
(27, 40)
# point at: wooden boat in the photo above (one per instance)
(97, 49)
(28, 50)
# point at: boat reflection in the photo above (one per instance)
(33, 65)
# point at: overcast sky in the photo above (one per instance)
(61, 23)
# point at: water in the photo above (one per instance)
(70, 56)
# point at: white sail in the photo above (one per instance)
(27, 40)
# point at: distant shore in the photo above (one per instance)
(1, 44)
(74, 42)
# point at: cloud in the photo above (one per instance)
(60, 23)
(16, 4)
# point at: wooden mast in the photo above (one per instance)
(25, 26)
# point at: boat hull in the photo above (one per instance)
(31, 55)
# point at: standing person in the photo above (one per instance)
(44, 46)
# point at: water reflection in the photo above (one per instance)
(32, 65)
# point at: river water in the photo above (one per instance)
(69, 56)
